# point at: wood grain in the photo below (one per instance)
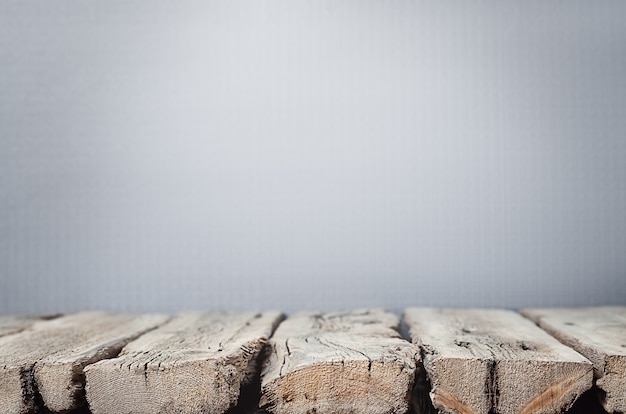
(11, 324)
(599, 334)
(495, 361)
(43, 364)
(342, 362)
(196, 363)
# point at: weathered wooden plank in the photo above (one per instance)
(600, 335)
(195, 363)
(44, 363)
(10, 324)
(345, 362)
(495, 361)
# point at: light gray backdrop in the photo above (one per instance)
(311, 154)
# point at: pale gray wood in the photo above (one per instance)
(196, 363)
(46, 361)
(495, 361)
(343, 362)
(599, 334)
(11, 324)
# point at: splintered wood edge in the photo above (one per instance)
(453, 373)
(329, 367)
(52, 376)
(195, 383)
(605, 353)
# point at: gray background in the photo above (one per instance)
(311, 154)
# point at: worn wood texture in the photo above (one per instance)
(344, 362)
(43, 364)
(495, 361)
(11, 324)
(196, 363)
(600, 335)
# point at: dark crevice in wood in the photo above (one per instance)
(30, 393)
(492, 386)
(588, 403)
(420, 396)
(250, 392)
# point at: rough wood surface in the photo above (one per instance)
(196, 363)
(600, 335)
(495, 361)
(44, 363)
(10, 324)
(345, 362)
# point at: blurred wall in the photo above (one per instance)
(166, 155)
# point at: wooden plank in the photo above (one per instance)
(44, 364)
(11, 324)
(195, 363)
(344, 362)
(600, 335)
(495, 361)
